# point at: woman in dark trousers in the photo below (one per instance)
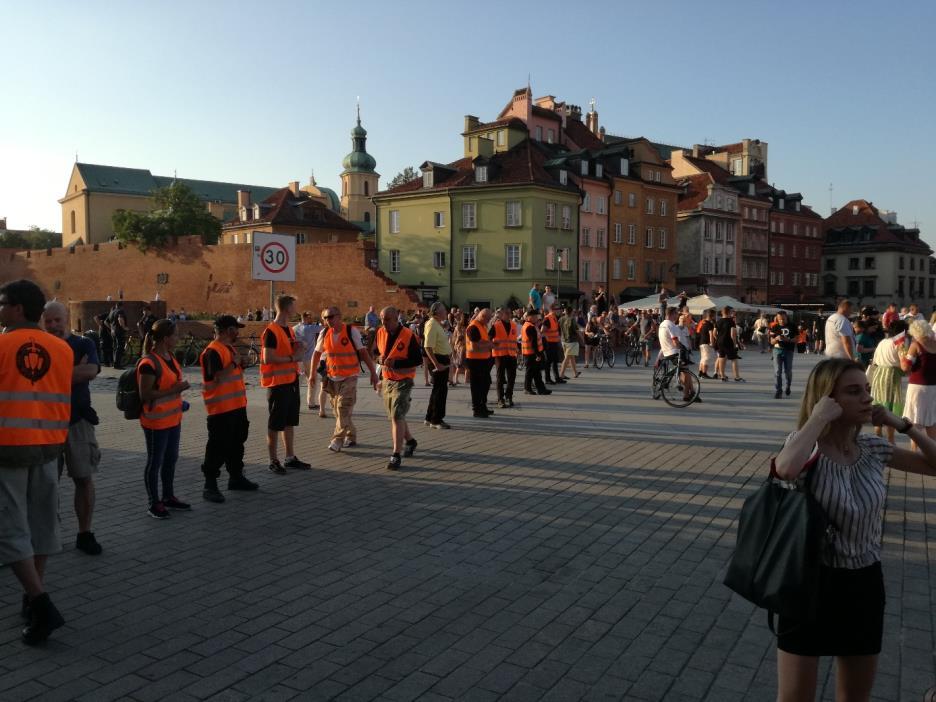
(849, 484)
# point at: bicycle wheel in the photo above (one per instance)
(677, 394)
(655, 382)
(630, 356)
(253, 358)
(599, 357)
(609, 357)
(189, 355)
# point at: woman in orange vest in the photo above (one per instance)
(159, 378)
(549, 330)
(532, 348)
(226, 404)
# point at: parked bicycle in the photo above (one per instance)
(188, 351)
(674, 382)
(133, 349)
(250, 351)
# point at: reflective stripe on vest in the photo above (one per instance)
(165, 412)
(505, 342)
(226, 392)
(550, 334)
(471, 350)
(528, 349)
(35, 374)
(341, 358)
(400, 350)
(280, 373)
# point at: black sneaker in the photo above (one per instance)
(395, 462)
(44, 618)
(530, 392)
(296, 464)
(545, 391)
(480, 415)
(276, 467)
(242, 483)
(510, 402)
(561, 381)
(441, 425)
(212, 494)
(158, 510)
(410, 448)
(24, 610)
(177, 504)
(489, 411)
(777, 395)
(86, 542)
(788, 392)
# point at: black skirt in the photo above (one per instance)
(850, 621)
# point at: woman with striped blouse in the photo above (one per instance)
(849, 484)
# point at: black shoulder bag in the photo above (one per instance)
(782, 533)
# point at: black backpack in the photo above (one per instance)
(128, 391)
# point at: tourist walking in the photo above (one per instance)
(458, 351)
(920, 366)
(705, 339)
(438, 350)
(478, 360)
(886, 375)
(593, 332)
(344, 352)
(36, 371)
(161, 384)
(82, 455)
(840, 335)
(675, 347)
(117, 319)
(535, 297)
(399, 356)
(307, 332)
(279, 360)
(726, 345)
(783, 348)
(225, 398)
(761, 332)
(504, 336)
(552, 350)
(106, 338)
(571, 338)
(849, 484)
(532, 349)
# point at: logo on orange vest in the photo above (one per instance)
(344, 341)
(33, 361)
(399, 347)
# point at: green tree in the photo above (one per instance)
(14, 240)
(44, 238)
(405, 176)
(178, 212)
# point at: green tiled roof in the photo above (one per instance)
(139, 181)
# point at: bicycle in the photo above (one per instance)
(632, 351)
(133, 349)
(250, 352)
(603, 352)
(187, 354)
(668, 383)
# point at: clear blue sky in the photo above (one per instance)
(263, 93)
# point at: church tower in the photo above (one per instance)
(359, 181)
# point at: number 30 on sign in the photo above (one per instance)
(273, 257)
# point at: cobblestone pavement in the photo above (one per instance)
(571, 548)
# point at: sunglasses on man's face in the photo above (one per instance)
(330, 316)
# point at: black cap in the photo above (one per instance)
(226, 321)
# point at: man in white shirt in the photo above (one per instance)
(549, 299)
(675, 345)
(307, 331)
(840, 335)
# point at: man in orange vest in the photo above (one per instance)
(531, 345)
(478, 359)
(280, 376)
(225, 399)
(399, 356)
(35, 409)
(552, 349)
(344, 352)
(504, 335)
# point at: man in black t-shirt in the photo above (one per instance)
(118, 326)
(726, 345)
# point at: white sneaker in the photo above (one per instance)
(335, 445)
(348, 443)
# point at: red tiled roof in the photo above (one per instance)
(718, 174)
(868, 216)
(506, 122)
(285, 208)
(581, 136)
(696, 192)
(547, 113)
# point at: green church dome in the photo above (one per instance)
(359, 161)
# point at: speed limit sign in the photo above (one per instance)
(274, 257)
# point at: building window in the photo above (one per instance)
(632, 234)
(656, 177)
(746, 213)
(551, 215)
(618, 233)
(394, 260)
(830, 264)
(469, 215)
(662, 208)
(773, 225)
(586, 203)
(394, 221)
(648, 240)
(631, 269)
(625, 167)
(550, 136)
(707, 231)
(912, 264)
(632, 199)
(563, 177)
(427, 179)
(706, 265)
(366, 188)
(367, 217)
(550, 258)
(648, 271)
(514, 213)
(72, 218)
(719, 230)
(718, 266)
(853, 288)
(501, 137)
(601, 239)
(649, 209)
(301, 238)
(868, 288)
(438, 219)
(566, 217)
(470, 257)
(584, 168)
(539, 133)
(780, 249)
(617, 197)
(586, 270)
(602, 205)
(481, 174)
(565, 259)
(900, 263)
(662, 236)
(586, 236)
(512, 257)
(779, 277)
(782, 226)
(235, 239)
(438, 259)
(729, 232)
(737, 167)
(616, 269)
(598, 170)
(853, 264)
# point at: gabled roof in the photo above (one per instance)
(547, 113)
(696, 191)
(284, 207)
(581, 136)
(140, 181)
(665, 150)
(869, 218)
(510, 122)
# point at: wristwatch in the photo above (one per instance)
(908, 425)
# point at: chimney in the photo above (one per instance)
(591, 119)
(471, 122)
(695, 150)
(243, 198)
(294, 187)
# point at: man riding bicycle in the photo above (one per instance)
(675, 348)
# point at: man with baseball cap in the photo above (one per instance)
(226, 403)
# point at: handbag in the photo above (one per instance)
(782, 533)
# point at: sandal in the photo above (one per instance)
(740, 380)
(578, 373)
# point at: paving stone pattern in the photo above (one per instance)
(571, 548)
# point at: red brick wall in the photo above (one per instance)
(209, 279)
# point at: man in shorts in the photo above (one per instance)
(35, 407)
(399, 354)
(82, 455)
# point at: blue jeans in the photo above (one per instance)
(162, 452)
(783, 362)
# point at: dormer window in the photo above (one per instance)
(625, 167)
(563, 177)
(750, 189)
(481, 174)
(585, 168)
(550, 136)
(780, 203)
(797, 206)
(855, 210)
(427, 179)
(243, 214)
(256, 211)
(598, 170)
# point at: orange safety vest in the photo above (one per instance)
(472, 351)
(505, 342)
(551, 332)
(166, 412)
(528, 349)
(35, 388)
(226, 392)
(272, 374)
(341, 359)
(400, 350)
